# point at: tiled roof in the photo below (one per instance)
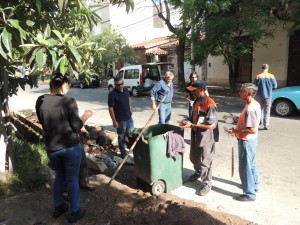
(156, 51)
(157, 46)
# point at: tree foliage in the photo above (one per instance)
(180, 31)
(42, 35)
(231, 28)
(116, 50)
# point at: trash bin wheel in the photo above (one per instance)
(158, 187)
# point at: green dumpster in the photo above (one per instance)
(152, 163)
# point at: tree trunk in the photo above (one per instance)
(4, 115)
(180, 62)
(232, 77)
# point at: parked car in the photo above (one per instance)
(138, 78)
(286, 101)
(82, 83)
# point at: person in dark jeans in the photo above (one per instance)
(157, 93)
(58, 115)
(120, 111)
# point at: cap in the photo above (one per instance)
(197, 84)
(265, 66)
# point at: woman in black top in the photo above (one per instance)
(59, 117)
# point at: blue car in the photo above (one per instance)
(286, 101)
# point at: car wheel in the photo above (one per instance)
(81, 85)
(110, 88)
(158, 188)
(283, 107)
(135, 92)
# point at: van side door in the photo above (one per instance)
(131, 78)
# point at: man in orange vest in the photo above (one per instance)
(204, 134)
(246, 132)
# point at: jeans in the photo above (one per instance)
(265, 105)
(164, 113)
(66, 164)
(247, 167)
(124, 126)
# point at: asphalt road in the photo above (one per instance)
(278, 154)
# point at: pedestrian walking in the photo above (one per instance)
(157, 93)
(61, 123)
(120, 111)
(246, 132)
(204, 134)
(265, 82)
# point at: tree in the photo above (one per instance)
(116, 50)
(231, 28)
(180, 31)
(52, 32)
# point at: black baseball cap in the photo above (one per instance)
(197, 84)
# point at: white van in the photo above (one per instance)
(138, 78)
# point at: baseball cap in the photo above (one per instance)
(265, 66)
(197, 84)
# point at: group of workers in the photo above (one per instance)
(61, 122)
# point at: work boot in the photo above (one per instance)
(194, 177)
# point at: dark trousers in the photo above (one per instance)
(201, 157)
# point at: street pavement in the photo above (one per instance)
(278, 155)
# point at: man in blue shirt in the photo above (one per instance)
(157, 93)
(120, 111)
(265, 82)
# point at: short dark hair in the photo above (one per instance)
(116, 79)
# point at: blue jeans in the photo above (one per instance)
(247, 167)
(124, 126)
(66, 164)
(164, 113)
(265, 105)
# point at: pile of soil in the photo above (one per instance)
(120, 203)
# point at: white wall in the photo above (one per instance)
(138, 25)
(276, 55)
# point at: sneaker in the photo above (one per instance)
(194, 177)
(204, 191)
(76, 216)
(266, 128)
(59, 210)
(243, 198)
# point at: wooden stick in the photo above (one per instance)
(137, 139)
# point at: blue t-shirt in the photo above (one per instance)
(120, 103)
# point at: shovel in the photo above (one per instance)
(137, 139)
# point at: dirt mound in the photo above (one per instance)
(115, 204)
